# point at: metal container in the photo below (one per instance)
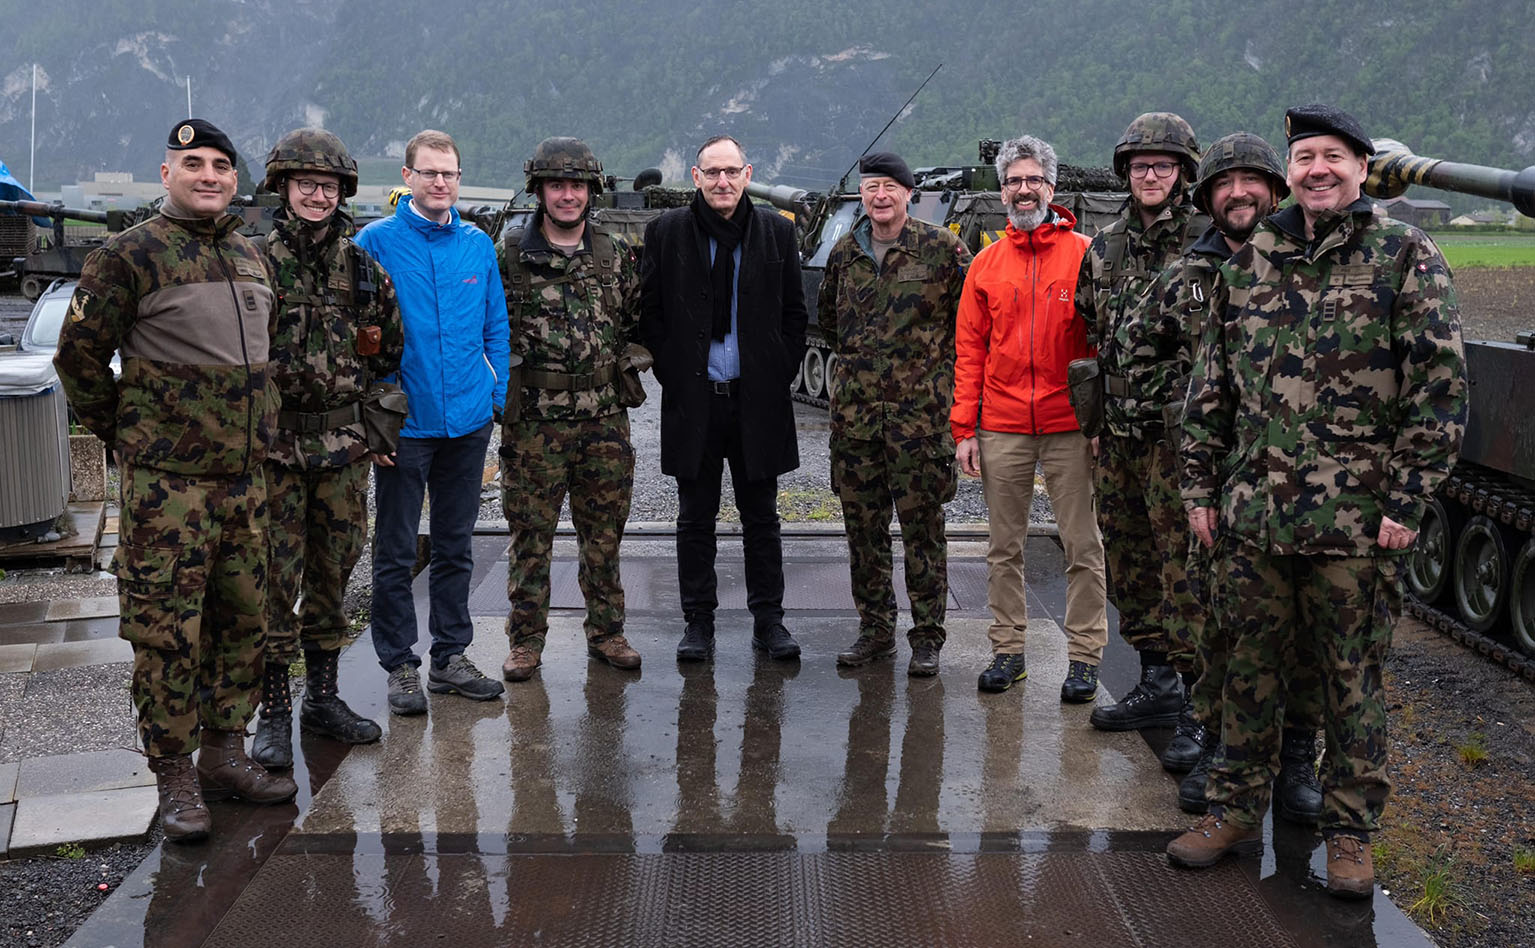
(34, 446)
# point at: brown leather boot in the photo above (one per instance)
(520, 663)
(1207, 841)
(225, 771)
(615, 650)
(1350, 867)
(182, 812)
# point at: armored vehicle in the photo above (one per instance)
(1473, 569)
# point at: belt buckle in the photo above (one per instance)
(722, 388)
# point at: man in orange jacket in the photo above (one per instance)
(1017, 331)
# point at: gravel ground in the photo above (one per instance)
(43, 899)
(45, 718)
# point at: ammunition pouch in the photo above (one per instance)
(1084, 383)
(1172, 416)
(384, 408)
(514, 382)
(636, 359)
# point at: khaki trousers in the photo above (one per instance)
(1008, 462)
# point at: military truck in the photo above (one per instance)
(1472, 571)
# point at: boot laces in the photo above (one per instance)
(1347, 848)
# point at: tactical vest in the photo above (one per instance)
(523, 286)
(1117, 243)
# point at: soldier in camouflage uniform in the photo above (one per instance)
(1241, 181)
(1328, 400)
(186, 300)
(338, 328)
(571, 297)
(890, 293)
(1137, 472)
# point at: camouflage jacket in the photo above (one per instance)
(1330, 385)
(1117, 272)
(186, 301)
(327, 295)
(569, 316)
(892, 329)
(1161, 337)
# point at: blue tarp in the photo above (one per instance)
(12, 190)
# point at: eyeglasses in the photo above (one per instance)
(709, 174)
(449, 176)
(1140, 169)
(308, 186)
(1032, 181)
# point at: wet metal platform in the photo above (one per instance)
(746, 802)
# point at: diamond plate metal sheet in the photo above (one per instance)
(747, 899)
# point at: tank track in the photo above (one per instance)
(820, 403)
(1484, 492)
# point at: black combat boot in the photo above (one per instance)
(273, 746)
(1297, 791)
(1188, 742)
(323, 712)
(1154, 702)
(1191, 789)
(697, 643)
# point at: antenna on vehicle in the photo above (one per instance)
(842, 182)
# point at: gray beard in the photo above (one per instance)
(1025, 221)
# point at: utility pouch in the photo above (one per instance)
(384, 408)
(636, 359)
(369, 340)
(1084, 383)
(513, 410)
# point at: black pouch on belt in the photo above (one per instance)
(1084, 383)
(384, 408)
(636, 359)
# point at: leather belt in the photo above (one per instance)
(726, 389)
(319, 422)
(568, 382)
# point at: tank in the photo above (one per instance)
(625, 212)
(1473, 566)
(963, 198)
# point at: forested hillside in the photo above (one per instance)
(805, 83)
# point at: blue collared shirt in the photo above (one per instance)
(724, 356)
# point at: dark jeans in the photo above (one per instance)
(450, 469)
(698, 507)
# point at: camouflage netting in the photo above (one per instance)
(1075, 178)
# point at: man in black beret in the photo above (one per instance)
(200, 133)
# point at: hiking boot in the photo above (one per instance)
(1154, 702)
(1191, 789)
(405, 697)
(1005, 669)
(273, 744)
(1297, 791)
(182, 811)
(521, 663)
(1081, 683)
(697, 643)
(1189, 739)
(323, 712)
(1350, 867)
(615, 650)
(1206, 842)
(924, 660)
(458, 676)
(776, 641)
(224, 771)
(865, 649)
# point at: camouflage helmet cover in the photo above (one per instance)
(310, 149)
(568, 158)
(1240, 150)
(1158, 131)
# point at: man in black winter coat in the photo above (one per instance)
(723, 312)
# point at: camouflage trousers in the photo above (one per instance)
(1274, 608)
(1145, 545)
(191, 587)
(918, 478)
(317, 526)
(541, 460)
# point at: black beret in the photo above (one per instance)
(1309, 121)
(199, 133)
(886, 164)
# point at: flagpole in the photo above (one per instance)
(32, 158)
(189, 96)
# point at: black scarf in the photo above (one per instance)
(727, 234)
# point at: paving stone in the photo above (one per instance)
(87, 630)
(23, 613)
(73, 654)
(36, 633)
(8, 783)
(7, 813)
(17, 658)
(91, 608)
(81, 773)
(71, 709)
(42, 824)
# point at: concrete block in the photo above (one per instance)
(8, 782)
(17, 658)
(44, 823)
(94, 607)
(82, 773)
(7, 813)
(75, 654)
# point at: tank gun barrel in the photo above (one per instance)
(1393, 167)
(796, 201)
(55, 211)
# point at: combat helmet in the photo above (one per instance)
(1240, 150)
(1158, 131)
(568, 158)
(310, 149)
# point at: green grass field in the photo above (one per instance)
(1487, 250)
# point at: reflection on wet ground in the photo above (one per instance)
(744, 802)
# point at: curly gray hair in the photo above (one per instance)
(1027, 146)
